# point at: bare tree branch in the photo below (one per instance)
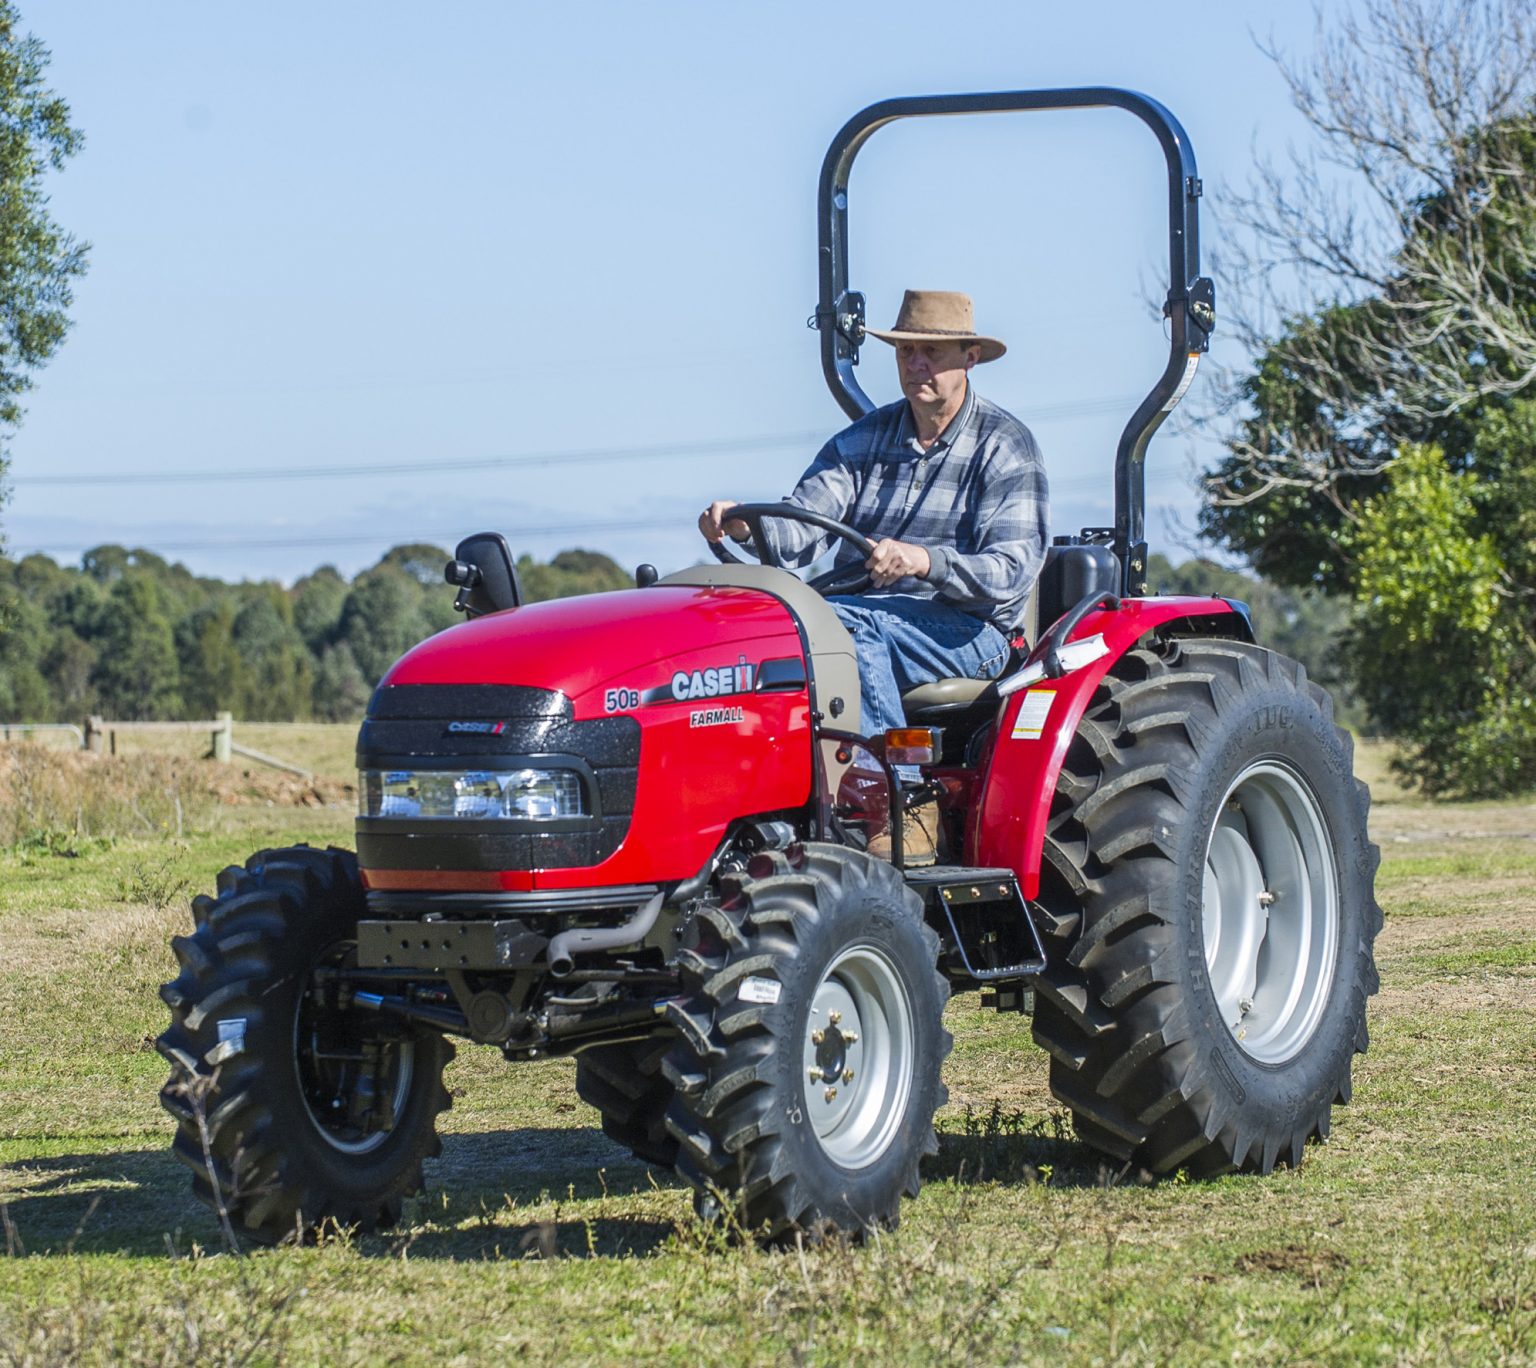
(1387, 271)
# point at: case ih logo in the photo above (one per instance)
(479, 728)
(689, 686)
(715, 683)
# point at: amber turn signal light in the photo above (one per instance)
(913, 745)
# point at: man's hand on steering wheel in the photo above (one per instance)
(889, 561)
(714, 530)
(880, 564)
(892, 560)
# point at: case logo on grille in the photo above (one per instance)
(479, 728)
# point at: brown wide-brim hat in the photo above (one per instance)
(938, 316)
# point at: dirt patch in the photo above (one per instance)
(1512, 993)
(1398, 824)
(1310, 1265)
(1408, 935)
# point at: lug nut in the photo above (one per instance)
(834, 1017)
(830, 1094)
(815, 1075)
(847, 1075)
(1266, 898)
(817, 1037)
(850, 1038)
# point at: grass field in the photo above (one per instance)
(1409, 1238)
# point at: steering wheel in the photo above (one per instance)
(845, 579)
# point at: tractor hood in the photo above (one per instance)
(633, 638)
(673, 698)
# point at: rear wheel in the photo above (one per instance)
(625, 1083)
(292, 1107)
(809, 1047)
(1209, 889)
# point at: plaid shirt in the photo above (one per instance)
(976, 500)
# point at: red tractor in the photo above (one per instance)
(633, 828)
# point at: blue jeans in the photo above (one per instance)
(904, 641)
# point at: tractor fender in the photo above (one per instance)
(1036, 725)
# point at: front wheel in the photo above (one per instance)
(293, 1108)
(806, 1067)
(1210, 909)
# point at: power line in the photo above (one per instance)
(1085, 408)
(424, 465)
(680, 523)
(363, 539)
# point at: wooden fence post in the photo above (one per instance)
(95, 734)
(223, 737)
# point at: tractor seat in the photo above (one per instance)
(943, 696)
(946, 701)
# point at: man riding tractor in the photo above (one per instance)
(950, 491)
(644, 829)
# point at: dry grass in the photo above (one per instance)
(329, 749)
(58, 800)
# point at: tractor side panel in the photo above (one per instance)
(1035, 729)
(704, 760)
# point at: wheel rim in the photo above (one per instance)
(858, 1056)
(1270, 912)
(353, 1082)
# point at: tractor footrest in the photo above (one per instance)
(441, 945)
(993, 933)
(1008, 997)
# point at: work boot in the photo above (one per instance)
(919, 835)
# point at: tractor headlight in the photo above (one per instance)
(472, 795)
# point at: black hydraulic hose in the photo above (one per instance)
(591, 940)
(574, 1026)
(693, 887)
(1061, 629)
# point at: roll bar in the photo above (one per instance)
(1190, 306)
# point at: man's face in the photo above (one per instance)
(934, 372)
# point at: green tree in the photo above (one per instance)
(1410, 339)
(1386, 279)
(70, 667)
(38, 260)
(382, 619)
(1304, 624)
(422, 561)
(318, 599)
(279, 674)
(568, 573)
(1442, 647)
(341, 692)
(24, 692)
(213, 669)
(137, 675)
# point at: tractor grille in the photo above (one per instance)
(417, 726)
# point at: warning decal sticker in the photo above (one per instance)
(1035, 708)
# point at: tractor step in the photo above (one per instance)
(993, 934)
(1008, 997)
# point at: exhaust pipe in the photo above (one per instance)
(592, 940)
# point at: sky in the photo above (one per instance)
(365, 274)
